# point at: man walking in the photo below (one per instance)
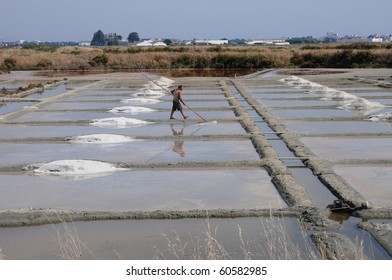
(177, 100)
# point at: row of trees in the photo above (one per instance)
(112, 39)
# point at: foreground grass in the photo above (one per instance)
(199, 57)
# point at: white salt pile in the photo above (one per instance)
(350, 101)
(153, 86)
(165, 81)
(140, 101)
(132, 110)
(387, 116)
(150, 93)
(338, 95)
(100, 139)
(361, 104)
(120, 122)
(75, 167)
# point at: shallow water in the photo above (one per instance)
(373, 182)
(49, 92)
(349, 148)
(310, 113)
(332, 127)
(21, 131)
(142, 190)
(88, 116)
(139, 151)
(128, 239)
(7, 107)
(295, 103)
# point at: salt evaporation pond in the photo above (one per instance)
(136, 151)
(7, 107)
(106, 119)
(100, 139)
(326, 127)
(349, 148)
(22, 131)
(200, 184)
(128, 240)
(139, 190)
(372, 182)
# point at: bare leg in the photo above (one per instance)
(171, 114)
(183, 115)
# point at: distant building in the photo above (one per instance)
(159, 44)
(145, 43)
(270, 42)
(375, 38)
(352, 39)
(84, 43)
(205, 42)
(151, 43)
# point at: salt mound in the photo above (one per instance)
(150, 93)
(338, 96)
(120, 122)
(289, 79)
(361, 104)
(381, 117)
(152, 86)
(165, 81)
(140, 101)
(100, 139)
(131, 110)
(75, 167)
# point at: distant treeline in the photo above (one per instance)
(369, 55)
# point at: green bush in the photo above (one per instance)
(8, 64)
(41, 48)
(99, 60)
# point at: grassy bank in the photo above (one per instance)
(201, 57)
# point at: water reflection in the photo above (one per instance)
(178, 146)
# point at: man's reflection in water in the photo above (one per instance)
(178, 144)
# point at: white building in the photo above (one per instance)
(84, 43)
(273, 42)
(375, 38)
(146, 43)
(205, 42)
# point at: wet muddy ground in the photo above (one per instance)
(257, 162)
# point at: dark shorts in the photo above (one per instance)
(176, 106)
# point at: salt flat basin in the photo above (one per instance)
(372, 93)
(349, 148)
(295, 103)
(312, 113)
(86, 116)
(142, 190)
(49, 92)
(137, 151)
(109, 105)
(148, 239)
(373, 182)
(7, 107)
(86, 97)
(22, 131)
(257, 89)
(113, 92)
(280, 95)
(332, 127)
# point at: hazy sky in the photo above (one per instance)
(75, 20)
